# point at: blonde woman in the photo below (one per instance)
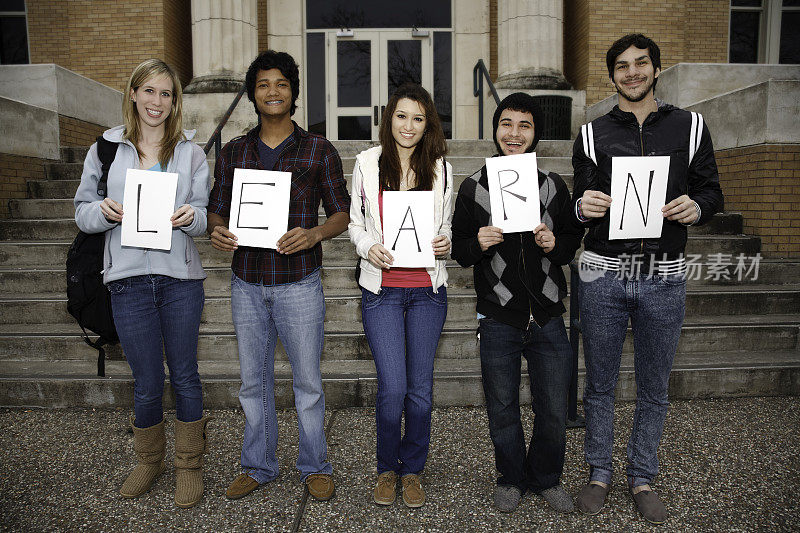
(156, 295)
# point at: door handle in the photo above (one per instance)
(375, 111)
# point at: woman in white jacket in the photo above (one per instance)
(156, 295)
(403, 309)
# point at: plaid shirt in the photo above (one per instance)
(316, 175)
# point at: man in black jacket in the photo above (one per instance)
(641, 280)
(520, 283)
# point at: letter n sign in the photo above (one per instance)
(514, 192)
(638, 192)
(259, 206)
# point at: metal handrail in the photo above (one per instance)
(574, 420)
(478, 73)
(216, 138)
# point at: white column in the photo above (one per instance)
(530, 44)
(224, 42)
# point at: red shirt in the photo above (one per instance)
(402, 277)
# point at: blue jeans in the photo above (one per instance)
(655, 307)
(148, 311)
(549, 357)
(295, 313)
(402, 326)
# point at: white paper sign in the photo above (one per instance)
(514, 192)
(148, 205)
(638, 192)
(408, 228)
(260, 206)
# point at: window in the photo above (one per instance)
(13, 33)
(764, 31)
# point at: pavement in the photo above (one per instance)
(726, 465)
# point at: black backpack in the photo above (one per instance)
(88, 300)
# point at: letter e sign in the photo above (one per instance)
(259, 206)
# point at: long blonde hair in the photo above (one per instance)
(173, 125)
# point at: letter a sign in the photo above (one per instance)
(259, 206)
(149, 202)
(514, 192)
(408, 228)
(638, 192)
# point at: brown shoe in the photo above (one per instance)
(320, 486)
(413, 493)
(241, 486)
(591, 498)
(386, 488)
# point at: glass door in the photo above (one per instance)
(366, 67)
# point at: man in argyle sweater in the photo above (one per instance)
(520, 285)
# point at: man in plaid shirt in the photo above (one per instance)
(278, 293)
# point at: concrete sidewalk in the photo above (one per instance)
(731, 465)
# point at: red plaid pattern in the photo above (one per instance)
(316, 175)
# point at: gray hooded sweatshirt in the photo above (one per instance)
(182, 260)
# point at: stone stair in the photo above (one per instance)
(739, 337)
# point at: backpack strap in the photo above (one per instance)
(106, 151)
(587, 134)
(695, 135)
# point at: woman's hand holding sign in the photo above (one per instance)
(441, 245)
(380, 256)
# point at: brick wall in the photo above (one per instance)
(74, 132)
(685, 30)
(263, 45)
(16, 170)
(105, 39)
(763, 183)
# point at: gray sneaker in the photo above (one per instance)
(649, 505)
(507, 497)
(558, 499)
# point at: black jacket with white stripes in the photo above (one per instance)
(670, 131)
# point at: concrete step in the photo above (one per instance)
(38, 208)
(35, 280)
(65, 189)
(63, 171)
(27, 342)
(469, 165)
(353, 383)
(344, 306)
(720, 224)
(456, 148)
(53, 189)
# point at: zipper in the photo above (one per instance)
(641, 145)
(525, 273)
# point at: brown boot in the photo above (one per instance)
(190, 445)
(148, 443)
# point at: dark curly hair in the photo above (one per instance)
(269, 60)
(524, 103)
